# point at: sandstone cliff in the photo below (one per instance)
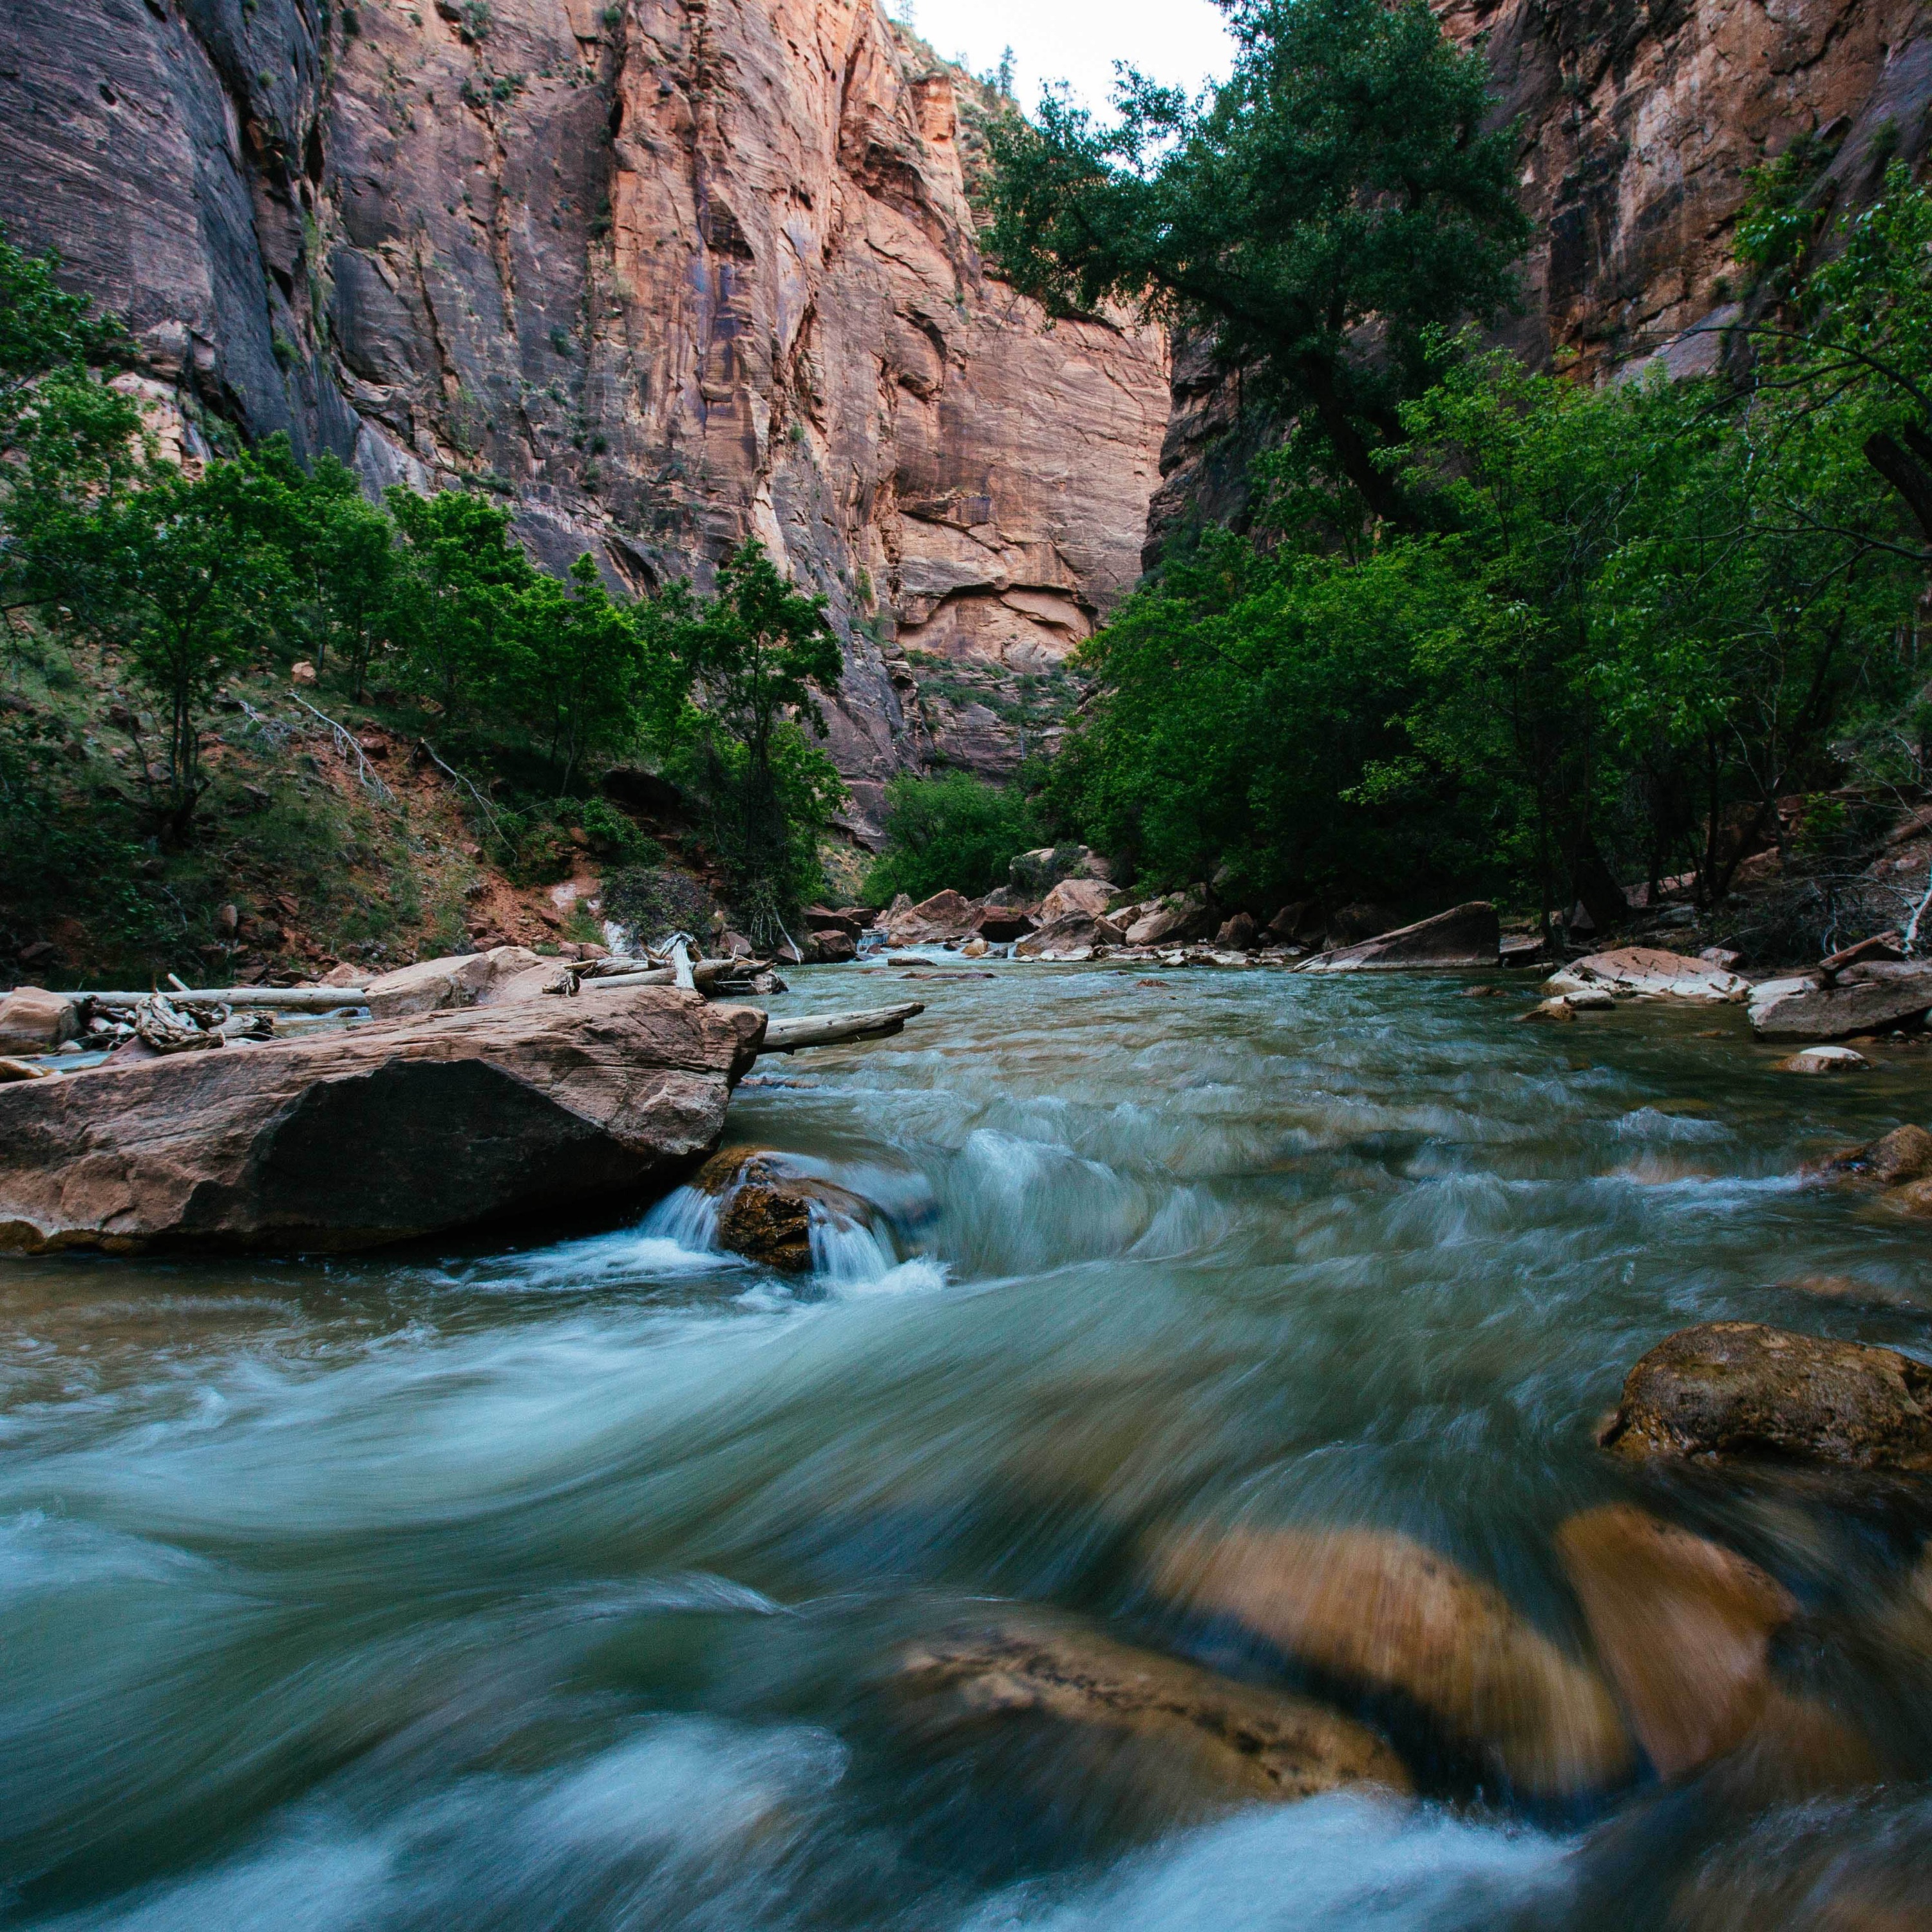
(1642, 120)
(665, 274)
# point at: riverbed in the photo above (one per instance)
(559, 1583)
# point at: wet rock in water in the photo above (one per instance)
(834, 949)
(1683, 1626)
(1826, 1059)
(1902, 1155)
(34, 1021)
(1235, 1742)
(974, 948)
(946, 915)
(1385, 1615)
(1866, 998)
(441, 986)
(1074, 937)
(1741, 1389)
(1089, 898)
(1646, 971)
(1466, 935)
(20, 1069)
(768, 1208)
(1238, 934)
(1179, 916)
(1568, 1005)
(335, 1142)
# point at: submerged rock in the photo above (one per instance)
(1904, 1154)
(1826, 1059)
(380, 1134)
(1237, 1742)
(1384, 1615)
(1644, 971)
(1739, 1388)
(1465, 935)
(768, 1208)
(1683, 1625)
(440, 986)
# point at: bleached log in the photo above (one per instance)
(834, 1029)
(281, 999)
(659, 976)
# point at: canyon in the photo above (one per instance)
(672, 274)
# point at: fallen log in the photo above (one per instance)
(283, 999)
(615, 982)
(835, 1029)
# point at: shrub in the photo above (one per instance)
(651, 901)
(954, 831)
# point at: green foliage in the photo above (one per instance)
(1628, 621)
(953, 830)
(756, 654)
(1342, 177)
(651, 901)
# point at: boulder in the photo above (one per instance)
(1904, 1154)
(23, 1070)
(1235, 1742)
(1090, 897)
(1033, 874)
(1864, 999)
(1826, 1059)
(1684, 1627)
(1238, 934)
(34, 1021)
(1737, 1388)
(1466, 935)
(379, 1133)
(974, 948)
(441, 985)
(1385, 1616)
(1643, 970)
(768, 1207)
(835, 948)
(1000, 921)
(822, 920)
(1073, 937)
(946, 915)
(1179, 916)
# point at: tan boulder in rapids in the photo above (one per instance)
(1381, 1613)
(378, 1134)
(1230, 1743)
(1646, 972)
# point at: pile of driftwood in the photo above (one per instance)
(672, 965)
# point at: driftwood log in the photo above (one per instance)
(282, 999)
(835, 1029)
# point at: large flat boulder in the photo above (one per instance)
(1737, 1388)
(1865, 999)
(1646, 972)
(441, 986)
(1465, 935)
(377, 1134)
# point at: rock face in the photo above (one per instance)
(1863, 1000)
(395, 1129)
(1239, 1741)
(768, 1209)
(1466, 935)
(1644, 971)
(1736, 1388)
(1684, 1627)
(667, 275)
(1382, 1613)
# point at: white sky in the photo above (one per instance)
(1181, 42)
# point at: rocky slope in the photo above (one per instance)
(1642, 120)
(669, 273)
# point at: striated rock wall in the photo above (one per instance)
(1642, 120)
(664, 274)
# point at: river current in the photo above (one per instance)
(554, 1584)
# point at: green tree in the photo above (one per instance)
(953, 830)
(1321, 213)
(176, 576)
(460, 580)
(757, 655)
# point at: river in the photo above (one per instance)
(553, 1584)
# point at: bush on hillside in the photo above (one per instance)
(955, 830)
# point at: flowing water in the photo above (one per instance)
(559, 1584)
